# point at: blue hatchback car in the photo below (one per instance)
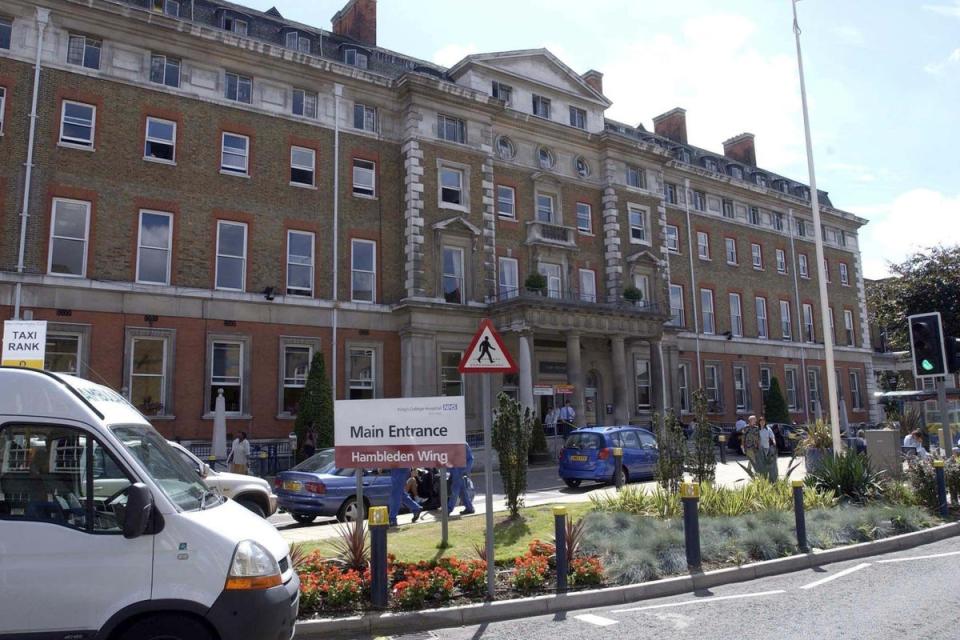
(588, 454)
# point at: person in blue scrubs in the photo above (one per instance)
(399, 496)
(459, 488)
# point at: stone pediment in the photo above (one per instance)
(456, 223)
(644, 257)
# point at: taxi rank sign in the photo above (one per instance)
(24, 343)
(400, 433)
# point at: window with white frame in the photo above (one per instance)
(763, 330)
(364, 117)
(731, 249)
(304, 103)
(153, 247)
(856, 401)
(801, 227)
(364, 178)
(300, 245)
(363, 373)
(239, 88)
(505, 148)
(160, 144)
(802, 263)
(296, 366)
(6, 31)
(833, 328)
(77, 124)
(545, 208)
(808, 330)
(672, 234)
(509, 278)
(363, 265)
(844, 275)
(147, 383)
(754, 215)
(451, 186)
(584, 218)
(506, 202)
(728, 209)
(226, 372)
(736, 315)
(642, 282)
(236, 25)
(765, 376)
(553, 274)
(699, 201)
(545, 158)
(848, 327)
(790, 383)
(706, 308)
(638, 225)
(451, 129)
(826, 270)
(756, 255)
(641, 370)
(452, 280)
(786, 322)
(636, 177)
(781, 261)
(683, 385)
(588, 285)
(740, 392)
(231, 255)
(234, 154)
(298, 42)
(355, 58)
(302, 166)
(670, 192)
(711, 383)
(62, 353)
(541, 106)
(164, 70)
(703, 245)
(813, 390)
(677, 315)
(451, 380)
(69, 233)
(3, 104)
(84, 51)
(578, 118)
(502, 91)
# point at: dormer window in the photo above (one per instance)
(541, 106)
(783, 186)
(802, 192)
(502, 91)
(545, 158)
(298, 42)
(167, 7)
(735, 171)
(235, 25)
(578, 118)
(760, 180)
(505, 148)
(709, 164)
(682, 155)
(355, 58)
(581, 167)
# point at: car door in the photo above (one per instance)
(650, 453)
(632, 453)
(61, 544)
(376, 487)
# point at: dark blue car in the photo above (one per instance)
(588, 454)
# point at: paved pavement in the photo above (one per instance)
(906, 594)
(544, 487)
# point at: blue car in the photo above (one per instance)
(588, 454)
(317, 487)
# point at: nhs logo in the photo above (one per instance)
(450, 407)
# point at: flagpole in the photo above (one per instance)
(818, 239)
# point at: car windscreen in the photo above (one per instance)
(168, 468)
(320, 462)
(584, 441)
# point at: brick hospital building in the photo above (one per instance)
(200, 170)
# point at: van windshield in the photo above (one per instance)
(167, 468)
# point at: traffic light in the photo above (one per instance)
(927, 345)
(953, 354)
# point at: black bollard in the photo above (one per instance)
(379, 523)
(618, 467)
(560, 539)
(800, 516)
(941, 488)
(723, 449)
(690, 495)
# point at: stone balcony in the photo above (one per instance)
(551, 235)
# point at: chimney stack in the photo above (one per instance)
(741, 149)
(672, 125)
(357, 20)
(595, 79)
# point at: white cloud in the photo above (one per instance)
(936, 68)
(914, 220)
(952, 10)
(850, 35)
(451, 54)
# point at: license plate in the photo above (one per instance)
(292, 485)
(578, 458)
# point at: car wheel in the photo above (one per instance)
(626, 476)
(251, 504)
(348, 511)
(166, 627)
(303, 518)
(573, 483)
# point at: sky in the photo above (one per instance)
(883, 85)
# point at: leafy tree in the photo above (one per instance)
(316, 405)
(774, 404)
(672, 445)
(929, 280)
(512, 430)
(702, 459)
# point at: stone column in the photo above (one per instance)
(575, 376)
(656, 377)
(621, 406)
(525, 367)
(418, 365)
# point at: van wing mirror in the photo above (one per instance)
(139, 510)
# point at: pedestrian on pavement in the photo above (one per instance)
(567, 414)
(767, 454)
(239, 454)
(551, 420)
(399, 496)
(310, 444)
(459, 489)
(750, 439)
(915, 441)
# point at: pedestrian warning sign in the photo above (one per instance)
(487, 353)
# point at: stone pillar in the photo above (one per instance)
(656, 377)
(575, 376)
(525, 370)
(418, 364)
(621, 406)
(671, 361)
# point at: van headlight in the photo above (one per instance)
(252, 567)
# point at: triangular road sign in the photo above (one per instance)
(487, 353)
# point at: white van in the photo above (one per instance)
(106, 532)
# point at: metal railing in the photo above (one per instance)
(572, 298)
(552, 234)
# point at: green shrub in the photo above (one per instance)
(512, 430)
(923, 481)
(849, 474)
(672, 446)
(702, 458)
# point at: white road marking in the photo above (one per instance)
(838, 574)
(701, 600)
(929, 557)
(599, 621)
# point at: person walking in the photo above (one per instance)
(399, 496)
(310, 444)
(239, 454)
(567, 415)
(459, 488)
(767, 454)
(750, 439)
